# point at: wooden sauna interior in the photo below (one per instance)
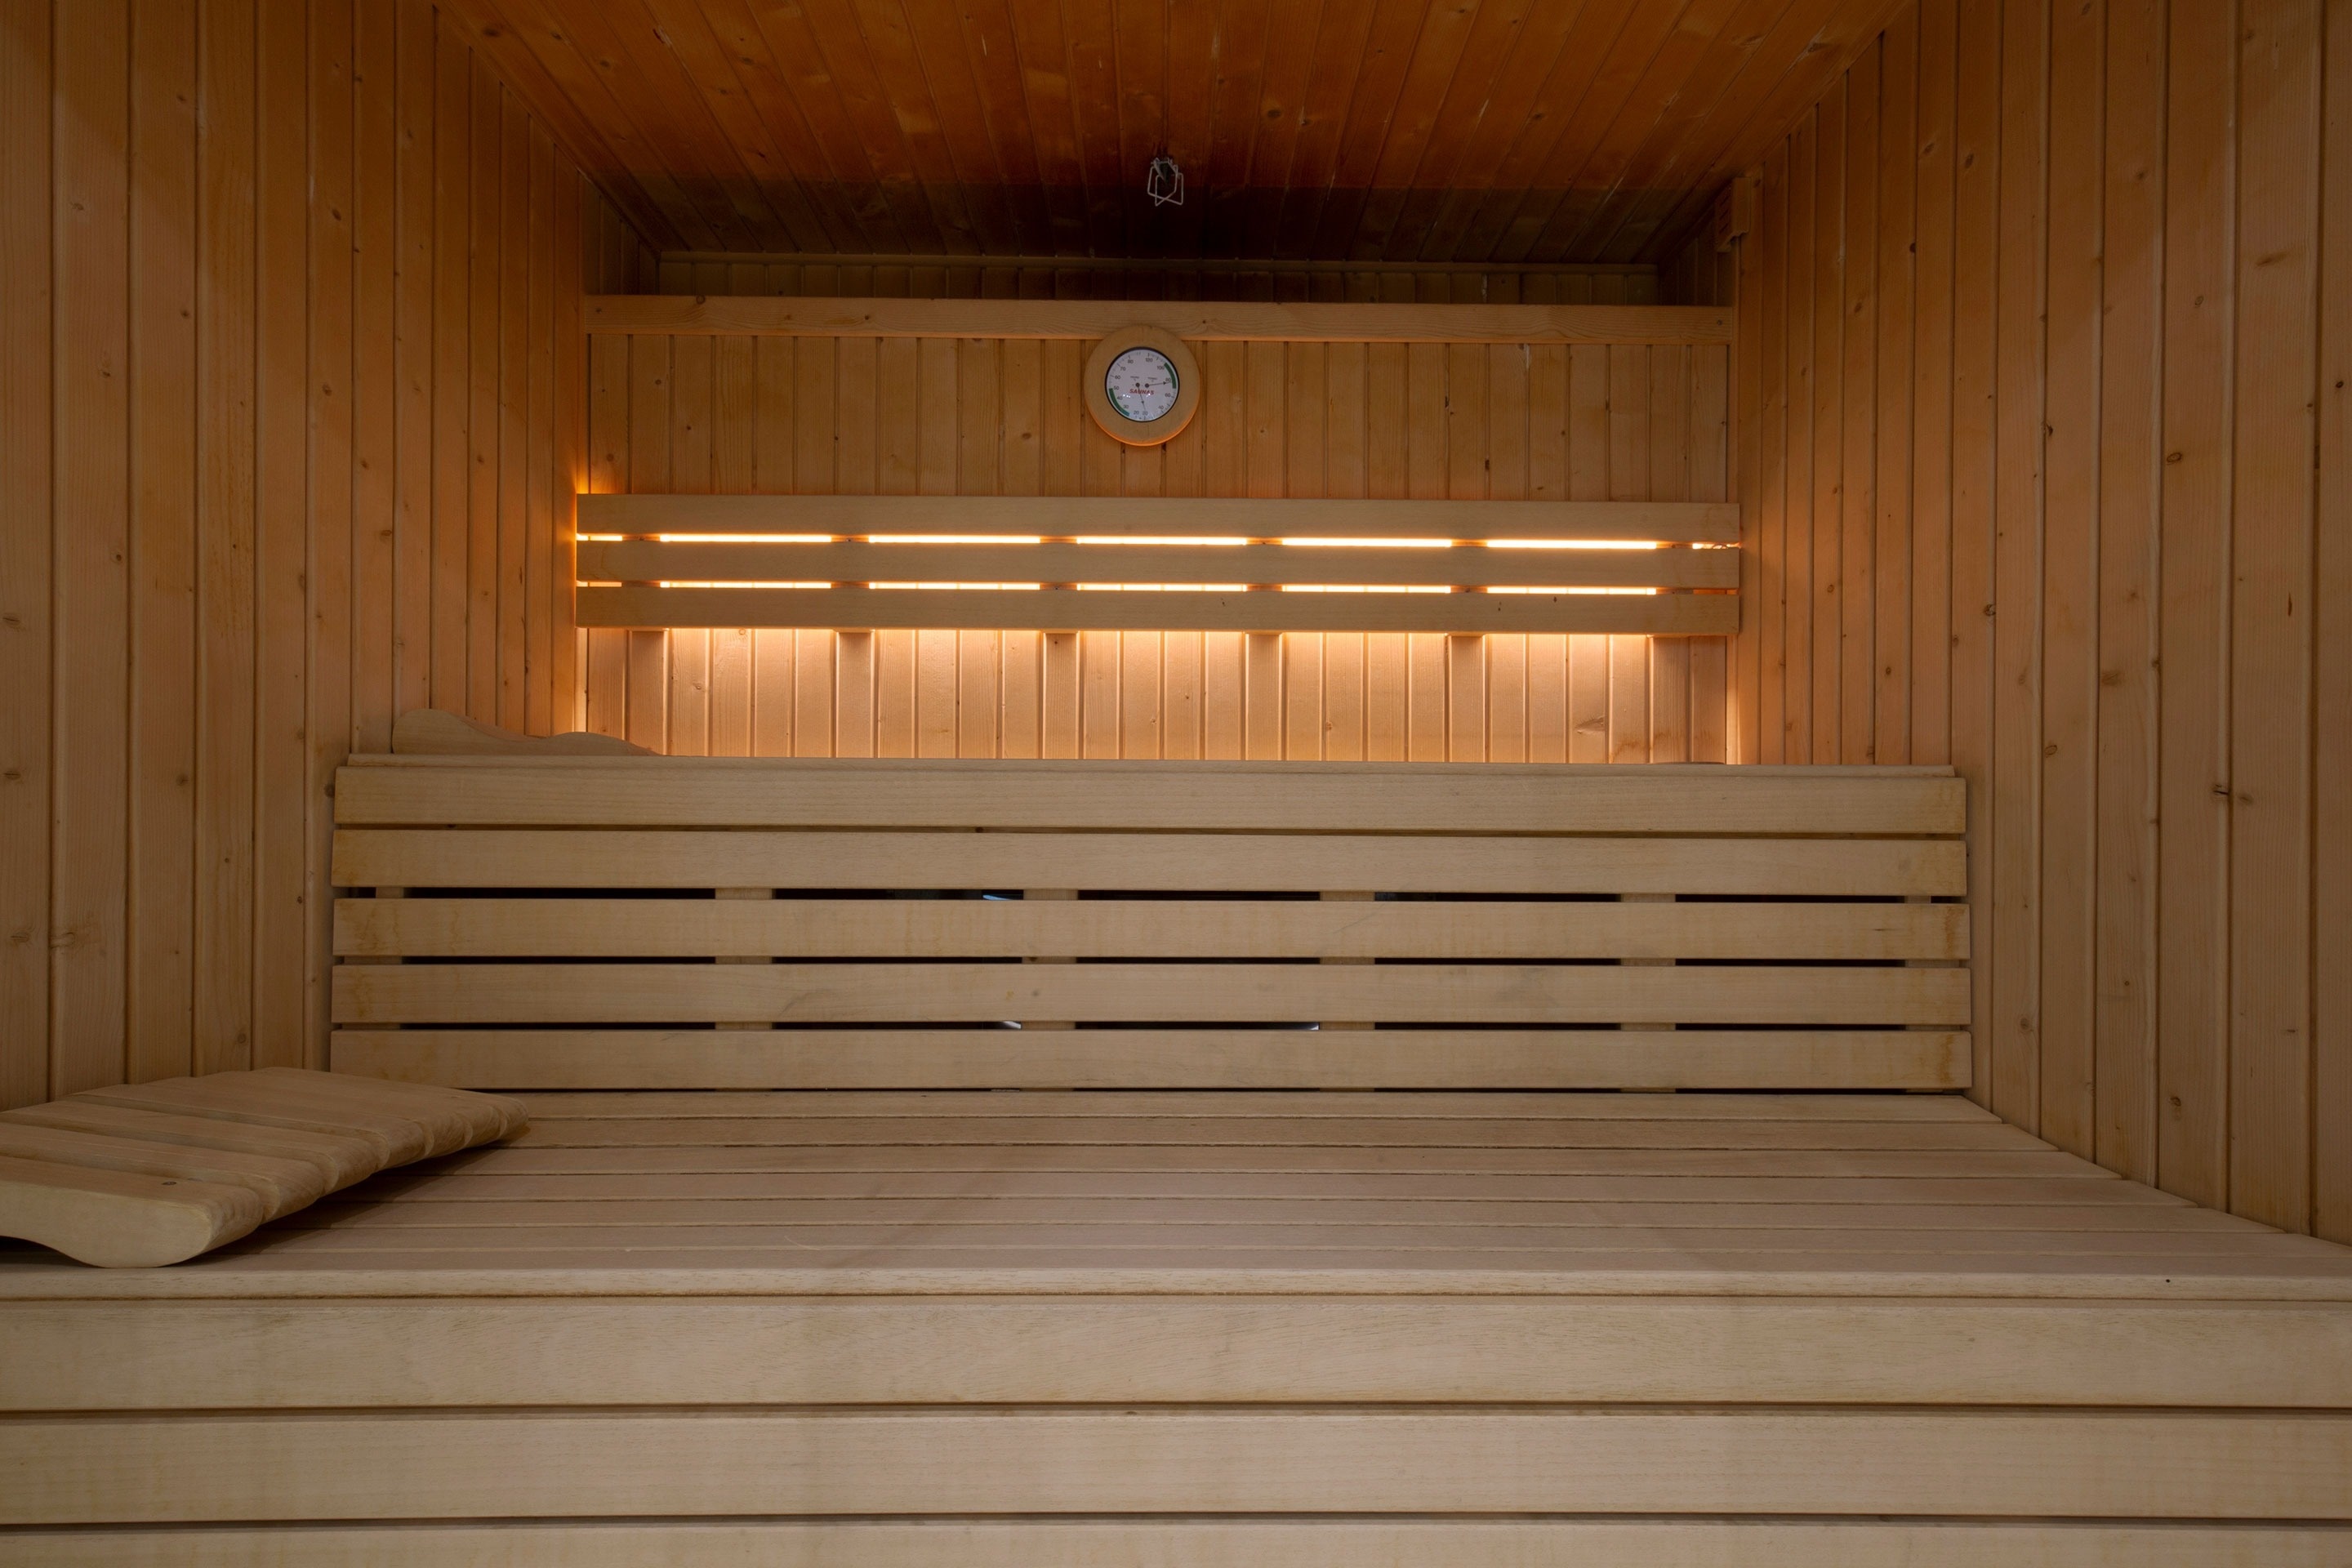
(1768, 982)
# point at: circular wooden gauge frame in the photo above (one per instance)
(1150, 432)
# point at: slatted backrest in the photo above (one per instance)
(658, 923)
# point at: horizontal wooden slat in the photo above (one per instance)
(1303, 797)
(1419, 1106)
(649, 1265)
(155, 1356)
(1459, 565)
(927, 1243)
(956, 992)
(2205, 1466)
(1073, 609)
(751, 1154)
(1203, 1543)
(1086, 1059)
(1147, 927)
(490, 1181)
(491, 858)
(990, 1138)
(1161, 517)
(1507, 1222)
(1224, 321)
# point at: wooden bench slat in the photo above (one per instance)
(1113, 1542)
(1159, 517)
(633, 1159)
(913, 1350)
(1156, 609)
(771, 561)
(951, 992)
(1089, 1058)
(2039, 1462)
(1299, 797)
(988, 1139)
(1171, 929)
(513, 857)
(1418, 1105)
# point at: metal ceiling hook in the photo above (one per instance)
(1164, 181)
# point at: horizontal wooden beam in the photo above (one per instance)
(1073, 609)
(740, 1462)
(778, 561)
(1181, 517)
(949, 992)
(785, 316)
(1442, 931)
(1483, 1059)
(1228, 796)
(1150, 862)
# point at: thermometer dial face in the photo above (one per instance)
(1141, 384)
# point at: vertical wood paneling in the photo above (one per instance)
(26, 643)
(2193, 648)
(2070, 579)
(333, 483)
(288, 312)
(2332, 684)
(984, 417)
(225, 163)
(163, 441)
(2270, 693)
(2131, 466)
(90, 589)
(281, 359)
(2109, 234)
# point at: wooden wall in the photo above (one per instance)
(2046, 322)
(988, 417)
(290, 318)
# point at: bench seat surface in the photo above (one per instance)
(879, 1329)
(1263, 1191)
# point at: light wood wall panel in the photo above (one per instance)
(2050, 341)
(288, 432)
(987, 417)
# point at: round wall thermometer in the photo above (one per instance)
(1142, 386)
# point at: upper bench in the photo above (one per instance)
(694, 923)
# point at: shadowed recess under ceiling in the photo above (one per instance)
(1509, 131)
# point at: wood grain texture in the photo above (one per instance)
(84, 1178)
(1112, 1543)
(2119, 520)
(1173, 1350)
(654, 608)
(775, 316)
(425, 791)
(1295, 439)
(549, 858)
(860, 516)
(828, 927)
(248, 213)
(1185, 981)
(1493, 137)
(947, 991)
(1682, 1059)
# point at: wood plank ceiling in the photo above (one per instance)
(1475, 131)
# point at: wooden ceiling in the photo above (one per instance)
(1500, 130)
